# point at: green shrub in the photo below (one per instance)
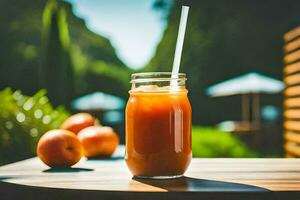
(23, 119)
(212, 143)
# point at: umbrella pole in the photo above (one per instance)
(256, 110)
(245, 107)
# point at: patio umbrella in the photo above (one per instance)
(246, 85)
(98, 101)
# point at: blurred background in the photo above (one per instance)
(62, 57)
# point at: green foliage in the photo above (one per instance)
(43, 41)
(23, 119)
(212, 143)
(56, 74)
(113, 80)
(225, 39)
(99, 75)
(20, 40)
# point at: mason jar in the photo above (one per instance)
(158, 125)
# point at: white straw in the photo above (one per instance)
(179, 43)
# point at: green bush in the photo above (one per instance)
(23, 119)
(212, 143)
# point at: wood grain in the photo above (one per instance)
(292, 137)
(292, 102)
(292, 34)
(292, 91)
(219, 178)
(292, 68)
(292, 79)
(218, 175)
(292, 125)
(291, 46)
(292, 57)
(292, 113)
(292, 148)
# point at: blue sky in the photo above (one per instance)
(132, 26)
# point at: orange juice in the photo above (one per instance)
(158, 132)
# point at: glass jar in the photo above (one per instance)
(158, 125)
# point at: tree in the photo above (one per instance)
(56, 71)
(225, 39)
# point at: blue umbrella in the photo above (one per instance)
(98, 101)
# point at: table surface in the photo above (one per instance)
(255, 176)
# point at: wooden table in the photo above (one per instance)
(110, 179)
